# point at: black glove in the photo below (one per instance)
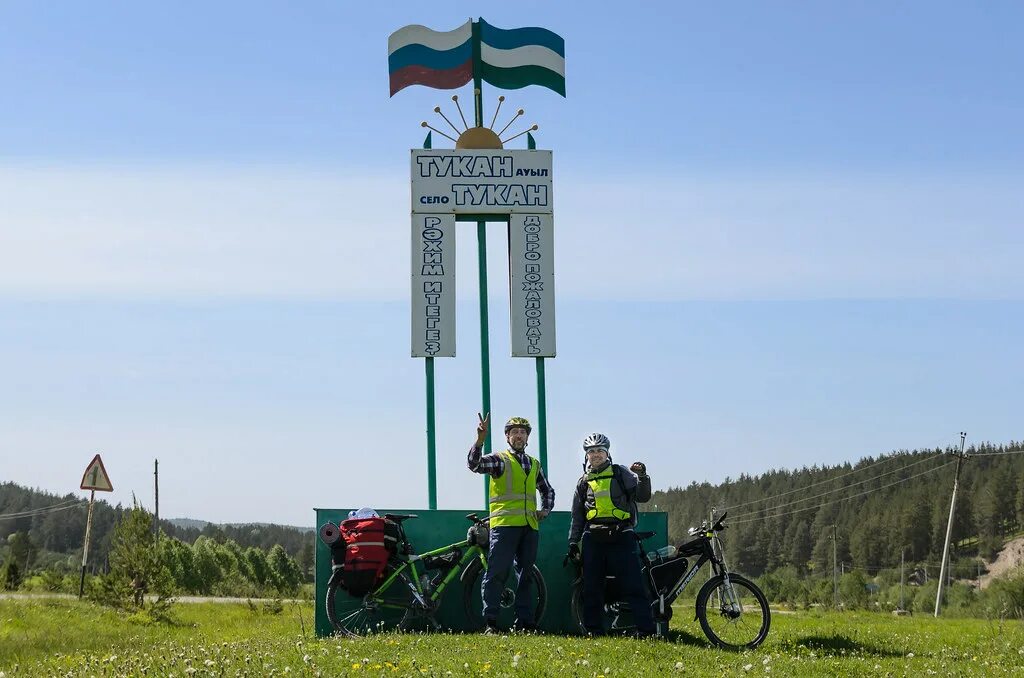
(574, 552)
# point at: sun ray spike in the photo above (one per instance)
(525, 131)
(455, 98)
(437, 109)
(424, 124)
(500, 99)
(518, 113)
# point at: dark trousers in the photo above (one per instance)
(508, 545)
(619, 558)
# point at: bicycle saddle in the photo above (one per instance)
(399, 517)
(645, 535)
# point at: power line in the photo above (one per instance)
(53, 508)
(883, 460)
(840, 489)
(852, 496)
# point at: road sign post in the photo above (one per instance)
(95, 478)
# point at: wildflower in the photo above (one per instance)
(747, 667)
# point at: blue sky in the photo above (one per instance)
(785, 236)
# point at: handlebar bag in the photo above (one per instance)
(693, 546)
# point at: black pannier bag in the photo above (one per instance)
(667, 571)
(693, 547)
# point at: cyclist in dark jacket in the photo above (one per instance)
(604, 513)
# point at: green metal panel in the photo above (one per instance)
(434, 529)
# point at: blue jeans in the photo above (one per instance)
(619, 558)
(508, 544)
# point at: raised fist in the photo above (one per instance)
(639, 468)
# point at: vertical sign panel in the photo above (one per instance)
(433, 285)
(532, 285)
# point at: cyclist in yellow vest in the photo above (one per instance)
(516, 477)
(603, 517)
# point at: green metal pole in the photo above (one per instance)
(542, 416)
(431, 439)
(485, 344)
(431, 443)
(542, 402)
(481, 238)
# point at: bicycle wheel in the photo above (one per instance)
(618, 616)
(473, 600)
(738, 618)
(377, 612)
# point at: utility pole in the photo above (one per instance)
(835, 582)
(903, 552)
(85, 549)
(949, 525)
(156, 498)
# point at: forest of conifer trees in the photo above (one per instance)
(881, 508)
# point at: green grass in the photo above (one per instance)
(68, 638)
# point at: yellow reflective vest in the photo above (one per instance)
(513, 495)
(604, 510)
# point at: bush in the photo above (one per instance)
(51, 580)
(137, 567)
(853, 591)
(1004, 598)
(10, 576)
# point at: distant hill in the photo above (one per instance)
(188, 523)
(56, 525)
(193, 524)
(879, 507)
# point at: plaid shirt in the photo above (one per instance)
(493, 465)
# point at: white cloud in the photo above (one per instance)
(282, 231)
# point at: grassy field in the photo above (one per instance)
(67, 638)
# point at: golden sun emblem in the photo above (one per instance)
(479, 137)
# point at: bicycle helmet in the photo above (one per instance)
(364, 512)
(517, 422)
(597, 440)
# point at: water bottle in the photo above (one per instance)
(663, 552)
(425, 583)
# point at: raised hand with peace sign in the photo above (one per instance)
(481, 428)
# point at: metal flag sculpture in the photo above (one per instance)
(505, 58)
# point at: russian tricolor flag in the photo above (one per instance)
(418, 55)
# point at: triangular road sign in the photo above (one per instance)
(96, 477)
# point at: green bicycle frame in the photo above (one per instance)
(471, 551)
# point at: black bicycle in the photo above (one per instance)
(731, 609)
(412, 585)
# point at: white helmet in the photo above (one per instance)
(597, 440)
(363, 513)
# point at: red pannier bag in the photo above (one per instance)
(366, 554)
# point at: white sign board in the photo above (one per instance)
(531, 285)
(433, 285)
(481, 182)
